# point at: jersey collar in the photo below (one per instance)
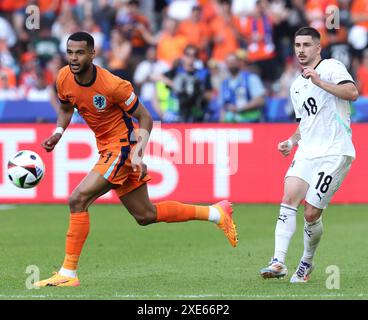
(88, 84)
(318, 64)
(314, 67)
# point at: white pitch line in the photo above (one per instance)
(240, 296)
(193, 296)
(43, 296)
(7, 206)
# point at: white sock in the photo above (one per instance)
(285, 229)
(68, 273)
(312, 235)
(214, 215)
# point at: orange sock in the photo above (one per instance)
(173, 211)
(75, 238)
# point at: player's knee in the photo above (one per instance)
(290, 200)
(310, 217)
(311, 214)
(142, 221)
(145, 218)
(77, 201)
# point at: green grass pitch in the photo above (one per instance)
(192, 260)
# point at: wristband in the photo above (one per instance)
(59, 130)
(289, 143)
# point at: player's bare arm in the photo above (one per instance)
(65, 114)
(286, 146)
(145, 126)
(346, 91)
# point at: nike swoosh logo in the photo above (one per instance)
(56, 283)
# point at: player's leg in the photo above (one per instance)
(90, 188)
(296, 185)
(313, 229)
(145, 212)
(139, 206)
(327, 178)
(295, 190)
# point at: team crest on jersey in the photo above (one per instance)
(99, 102)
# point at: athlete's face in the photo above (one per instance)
(306, 49)
(79, 56)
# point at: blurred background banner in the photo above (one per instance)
(188, 162)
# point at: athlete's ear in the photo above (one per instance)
(319, 47)
(93, 53)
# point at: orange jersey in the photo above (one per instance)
(106, 104)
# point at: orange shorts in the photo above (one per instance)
(115, 166)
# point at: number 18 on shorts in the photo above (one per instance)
(324, 176)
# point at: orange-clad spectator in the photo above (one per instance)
(196, 31)
(359, 13)
(48, 5)
(118, 54)
(28, 76)
(11, 5)
(258, 32)
(362, 75)
(49, 9)
(223, 30)
(210, 10)
(9, 80)
(170, 44)
(134, 25)
(203, 2)
(6, 92)
(316, 11)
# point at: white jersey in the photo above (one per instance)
(324, 118)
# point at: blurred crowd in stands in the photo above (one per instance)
(189, 60)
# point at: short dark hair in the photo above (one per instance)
(308, 31)
(83, 36)
(193, 48)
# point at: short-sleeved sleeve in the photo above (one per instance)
(339, 74)
(124, 96)
(59, 89)
(298, 116)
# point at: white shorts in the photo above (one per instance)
(324, 176)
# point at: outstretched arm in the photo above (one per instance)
(65, 114)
